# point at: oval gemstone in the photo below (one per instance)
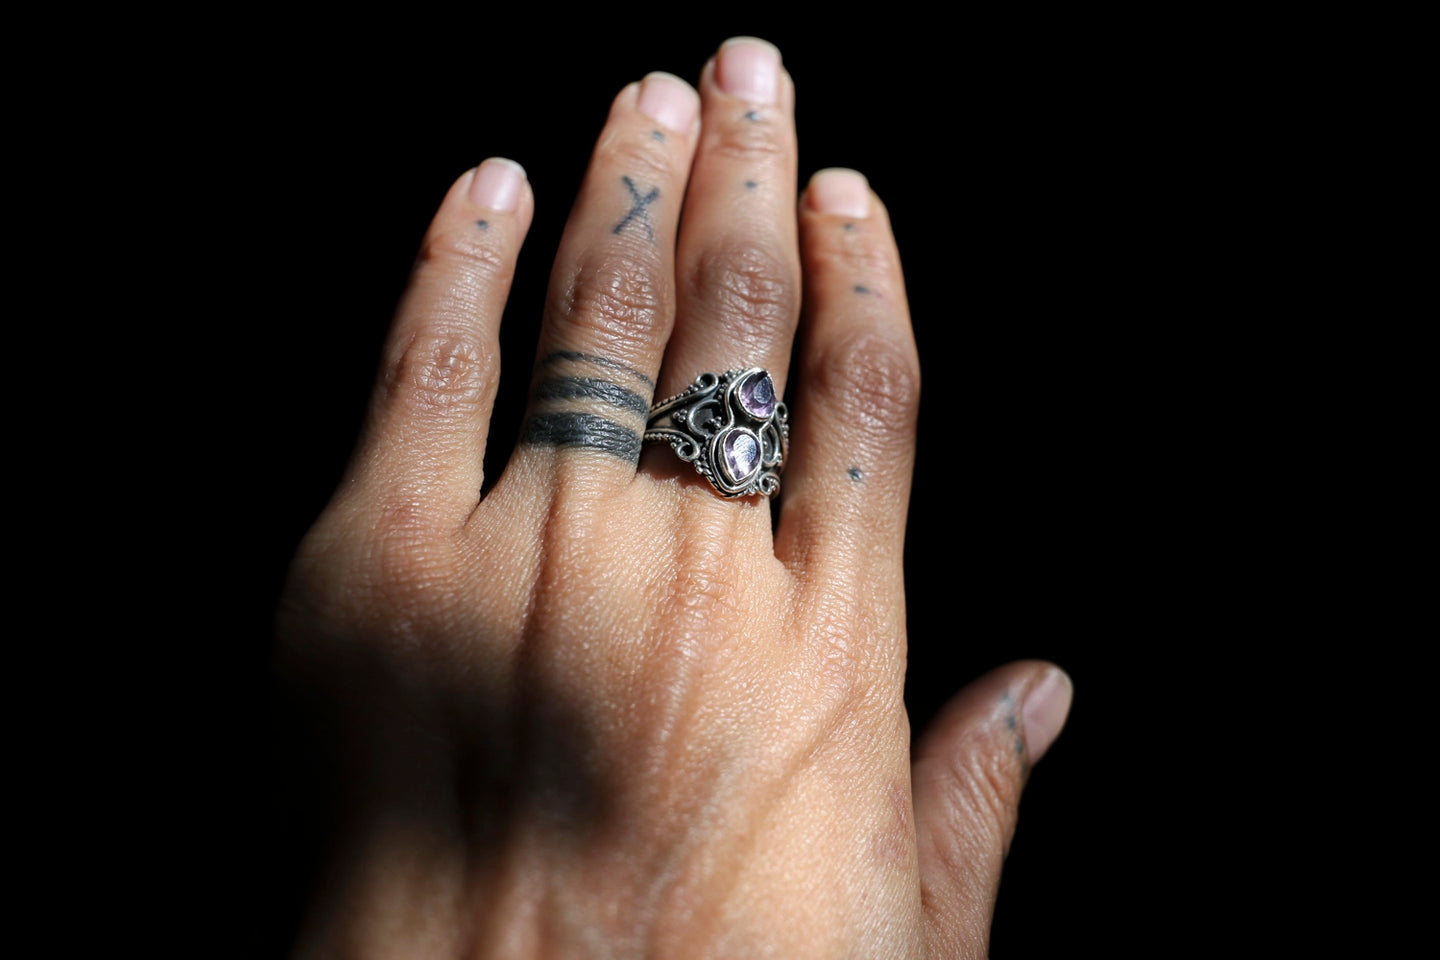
(756, 394)
(739, 456)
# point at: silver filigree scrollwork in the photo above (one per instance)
(732, 427)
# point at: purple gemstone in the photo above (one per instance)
(756, 394)
(740, 455)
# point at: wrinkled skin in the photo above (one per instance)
(602, 711)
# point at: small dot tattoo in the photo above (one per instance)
(856, 475)
(1013, 723)
(483, 224)
(753, 116)
(849, 228)
(751, 184)
(860, 289)
(657, 135)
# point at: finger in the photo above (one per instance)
(853, 414)
(738, 261)
(430, 409)
(611, 298)
(968, 772)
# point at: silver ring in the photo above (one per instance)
(732, 427)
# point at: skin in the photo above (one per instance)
(602, 711)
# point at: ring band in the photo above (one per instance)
(732, 427)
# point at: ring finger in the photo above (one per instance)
(611, 297)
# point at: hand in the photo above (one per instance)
(603, 710)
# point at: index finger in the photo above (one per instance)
(430, 407)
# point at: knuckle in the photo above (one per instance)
(997, 793)
(412, 568)
(700, 596)
(842, 641)
(387, 578)
(465, 252)
(834, 254)
(618, 298)
(747, 143)
(858, 683)
(752, 288)
(441, 373)
(844, 671)
(980, 802)
(640, 157)
(704, 581)
(872, 379)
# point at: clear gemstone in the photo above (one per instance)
(740, 455)
(756, 394)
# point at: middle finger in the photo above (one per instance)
(738, 264)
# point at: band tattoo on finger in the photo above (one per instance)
(637, 209)
(584, 430)
(557, 423)
(557, 355)
(592, 388)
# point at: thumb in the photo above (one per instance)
(968, 771)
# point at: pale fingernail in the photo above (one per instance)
(1046, 706)
(749, 69)
(497, 184)
(669, 101)
(838, 191)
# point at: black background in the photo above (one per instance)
(1051, 196)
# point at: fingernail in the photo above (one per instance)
(838, 191)
(497, 184)
(669, 101)
(1046, 706)
(749, 69)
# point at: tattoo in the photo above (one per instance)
(860, 289)
(592, 388)
(637, 211)
(583, 430)
(751, 184)
(753, 116)
(855, 474)
(559, 427)
(602, 361)
(1012, 723)
(849, 228)
(483, 224)
(657, 135)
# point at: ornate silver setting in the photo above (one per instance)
(732, 427)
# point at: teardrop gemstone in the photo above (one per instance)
(739, 456)
(756, 395)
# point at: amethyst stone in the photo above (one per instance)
(756, 395)
(739, 455)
